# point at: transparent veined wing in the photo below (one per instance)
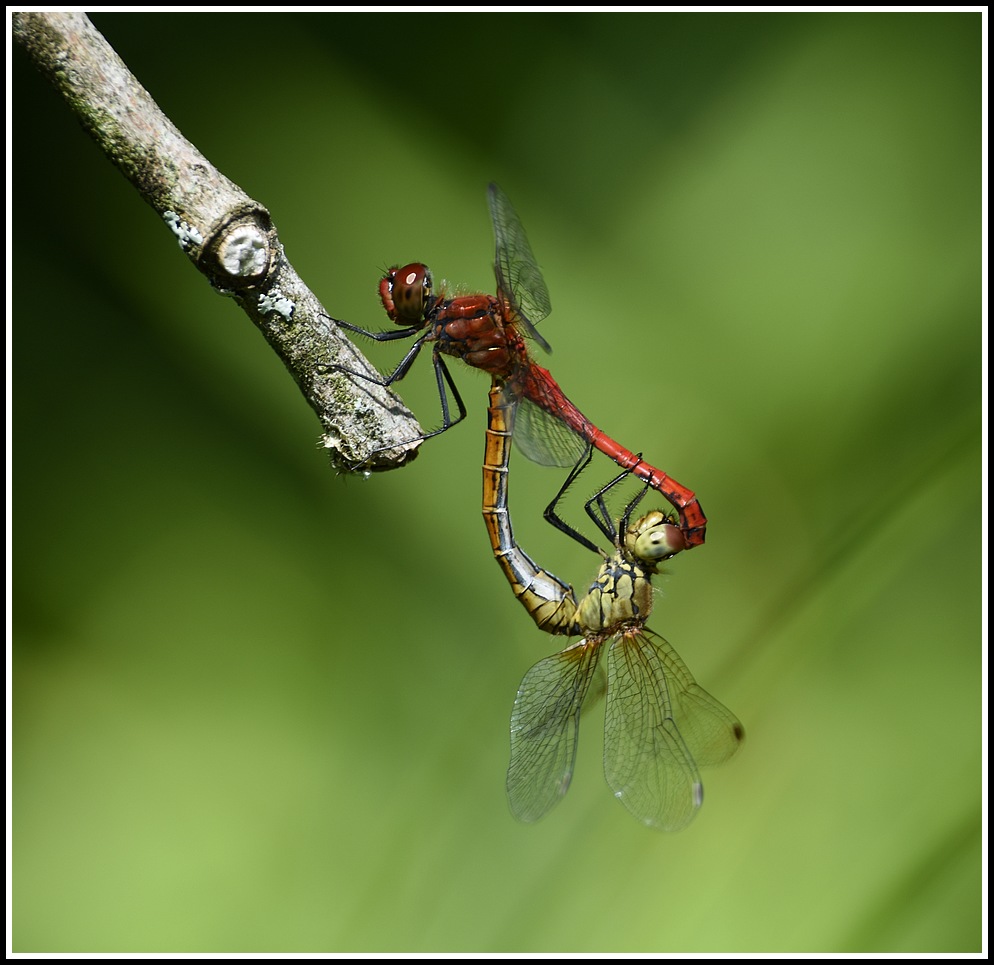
(519, 281)
(544, 727)
(659, 725)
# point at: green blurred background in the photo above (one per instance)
(258, 707)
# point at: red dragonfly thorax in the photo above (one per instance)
(469, 327)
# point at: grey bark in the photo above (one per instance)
(226, 234)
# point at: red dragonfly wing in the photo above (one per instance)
(545, 723)
(545, 439)
(659, 724)
(519, 281)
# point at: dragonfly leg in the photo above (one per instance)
(630, 508)
(602, 516)
(443, 377)
(403, 366)
(390, 335)
(550, 514)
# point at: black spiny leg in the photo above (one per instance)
(550, 511)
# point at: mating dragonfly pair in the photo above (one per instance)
(659, 723)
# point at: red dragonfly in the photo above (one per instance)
(489, 332)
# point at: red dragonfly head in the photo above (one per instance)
(406, 294)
